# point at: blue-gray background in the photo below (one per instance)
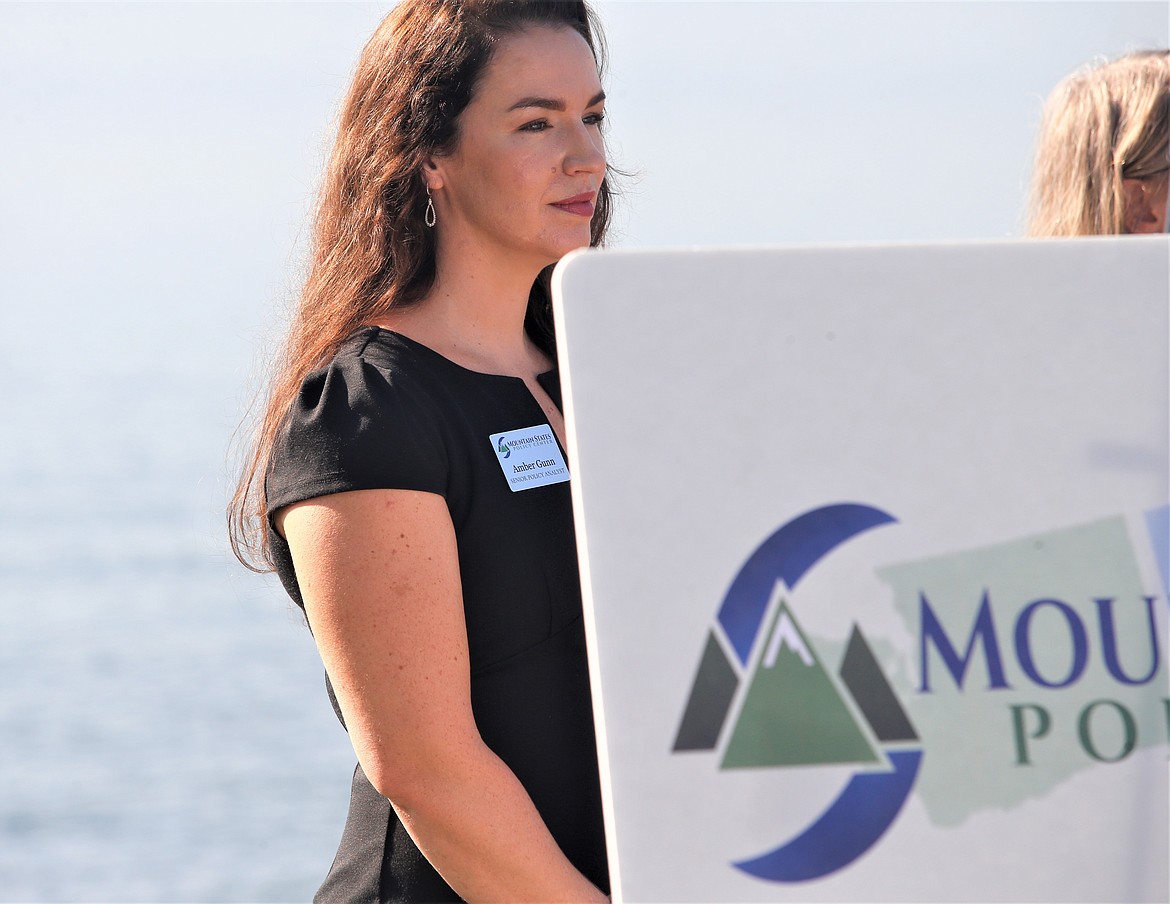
(164, 735)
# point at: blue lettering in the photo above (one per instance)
(983, 629)
(1109, 641)
(1080, 651)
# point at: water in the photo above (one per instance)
(164, 730)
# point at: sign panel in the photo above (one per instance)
(874, 551)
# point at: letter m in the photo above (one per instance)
(983, 629)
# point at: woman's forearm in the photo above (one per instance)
(478, 827)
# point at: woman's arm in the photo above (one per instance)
(379, 574)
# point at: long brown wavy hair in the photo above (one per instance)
(1101, 125)
(370, 248)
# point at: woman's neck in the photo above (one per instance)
(474, 315)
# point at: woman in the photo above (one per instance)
(443, 597)
(1103, 157)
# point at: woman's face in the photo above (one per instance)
(1145, 202)
(1159, 190)
(521, 184)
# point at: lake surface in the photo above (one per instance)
(164, 729)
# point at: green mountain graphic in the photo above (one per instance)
(793, 714)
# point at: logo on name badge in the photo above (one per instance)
(530, 457)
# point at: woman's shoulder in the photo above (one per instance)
(366, 419)
(391, 354)
(378, 371)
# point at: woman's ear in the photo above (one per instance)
(432, 174)
(1137, 214)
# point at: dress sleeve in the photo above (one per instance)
(356, 426)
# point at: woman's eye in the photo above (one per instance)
(537, 125)
(594, 119)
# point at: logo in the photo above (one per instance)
(1021, 663)
(790, 710)
(503, 449)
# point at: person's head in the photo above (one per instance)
(401, 128)
(414, 80)
(1102, 163)
(520, 182)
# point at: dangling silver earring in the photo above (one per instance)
(429, 213)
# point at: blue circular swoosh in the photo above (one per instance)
(787, 555)
(851, 825)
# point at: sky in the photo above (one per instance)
(827, 122)
(159, 159)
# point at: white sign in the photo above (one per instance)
(874, 552)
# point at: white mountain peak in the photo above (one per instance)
(786, 634)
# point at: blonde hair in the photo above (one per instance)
(1102, 124)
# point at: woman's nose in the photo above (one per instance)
(586, 154)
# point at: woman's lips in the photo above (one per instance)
(579, 205)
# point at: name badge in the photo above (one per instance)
(530, 457)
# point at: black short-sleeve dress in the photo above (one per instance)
(390, 413)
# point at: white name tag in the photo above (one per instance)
(530, 457)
